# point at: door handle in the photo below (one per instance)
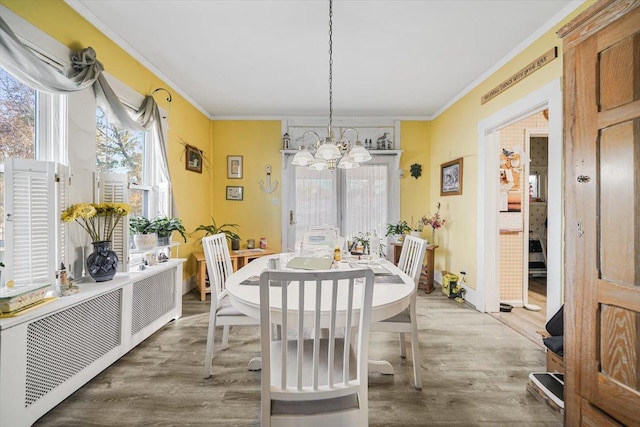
(291, 221)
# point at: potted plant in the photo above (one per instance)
(397, 231)
(361, 243)
(227, 229)
(148, 234)
(165, 226)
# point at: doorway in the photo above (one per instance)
(487, 296)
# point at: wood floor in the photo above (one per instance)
(474, 369)
(528, 322)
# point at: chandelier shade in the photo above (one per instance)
(329, 150)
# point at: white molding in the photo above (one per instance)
(106, 30)
(570, 7)
(548, 96)
(324, 120)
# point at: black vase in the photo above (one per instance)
(102, 264)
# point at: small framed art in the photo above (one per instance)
(451, 178)
(234, 167)
(193, 158)
(234, 192)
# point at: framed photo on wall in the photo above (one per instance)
(451, 178)
(193, 159)
(235, 192)
(234, 167)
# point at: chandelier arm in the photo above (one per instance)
(348, 143)
(318, 139)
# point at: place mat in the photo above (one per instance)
(27, 308)
(389, 279)
(252, 281)
(377, 269)
(255, 281)
(309, 263)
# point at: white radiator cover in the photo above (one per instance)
(50, 352)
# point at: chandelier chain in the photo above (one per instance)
(330, 63)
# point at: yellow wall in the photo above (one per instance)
(416, 145)
(454, 134)
(186, 123)
(259, 144)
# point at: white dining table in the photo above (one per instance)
(391, 295)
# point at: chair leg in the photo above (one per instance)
(225, 336)
(403, 346)
(415, 351)
(211, 336)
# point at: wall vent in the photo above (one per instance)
(61, 345)
(152, 298)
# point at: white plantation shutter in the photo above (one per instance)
(31, 219)
(113, 188)
(164, 199)
(62, 203)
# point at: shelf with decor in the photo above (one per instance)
(159, 255)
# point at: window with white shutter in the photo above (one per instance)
(32, 220)
(112, 188)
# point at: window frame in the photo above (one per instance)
(391, 158)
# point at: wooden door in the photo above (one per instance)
(602, 212)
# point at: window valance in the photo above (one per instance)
(85, 70)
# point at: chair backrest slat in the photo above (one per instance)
(219, 267)
(412, 257)
(316, 335)
(336, 291)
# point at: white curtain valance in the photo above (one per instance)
(19, 61)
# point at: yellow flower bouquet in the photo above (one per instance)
(97, 219)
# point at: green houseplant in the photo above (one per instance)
(162, 227)
(399, 229)
(227, 229)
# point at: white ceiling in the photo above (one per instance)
(266, 58)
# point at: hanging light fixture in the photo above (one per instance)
(329, 152)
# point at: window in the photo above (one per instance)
(31, 128)
(123, 151)
(18, 118)
(131, 152)
(354, 200)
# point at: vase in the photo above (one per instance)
(102, 263)
(145, 241)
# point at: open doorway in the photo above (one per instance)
(487, 296)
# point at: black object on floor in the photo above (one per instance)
(552, 385)
(506, 308)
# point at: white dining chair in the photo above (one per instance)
(222, 313)
(405, 322)
(318, 378)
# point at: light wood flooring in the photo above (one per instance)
(474, 369)
(528, 322)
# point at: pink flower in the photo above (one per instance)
(435, 221)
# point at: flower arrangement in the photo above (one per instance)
(97, 219)
(435, 221)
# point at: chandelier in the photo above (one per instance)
(331, 152)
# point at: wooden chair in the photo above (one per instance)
(411, 259)
(222, 313)
(320, 380)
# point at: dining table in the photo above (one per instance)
(392, 293)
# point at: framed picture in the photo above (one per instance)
(234, 167)
(234, 192)
(193, 159)
(451, 178)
